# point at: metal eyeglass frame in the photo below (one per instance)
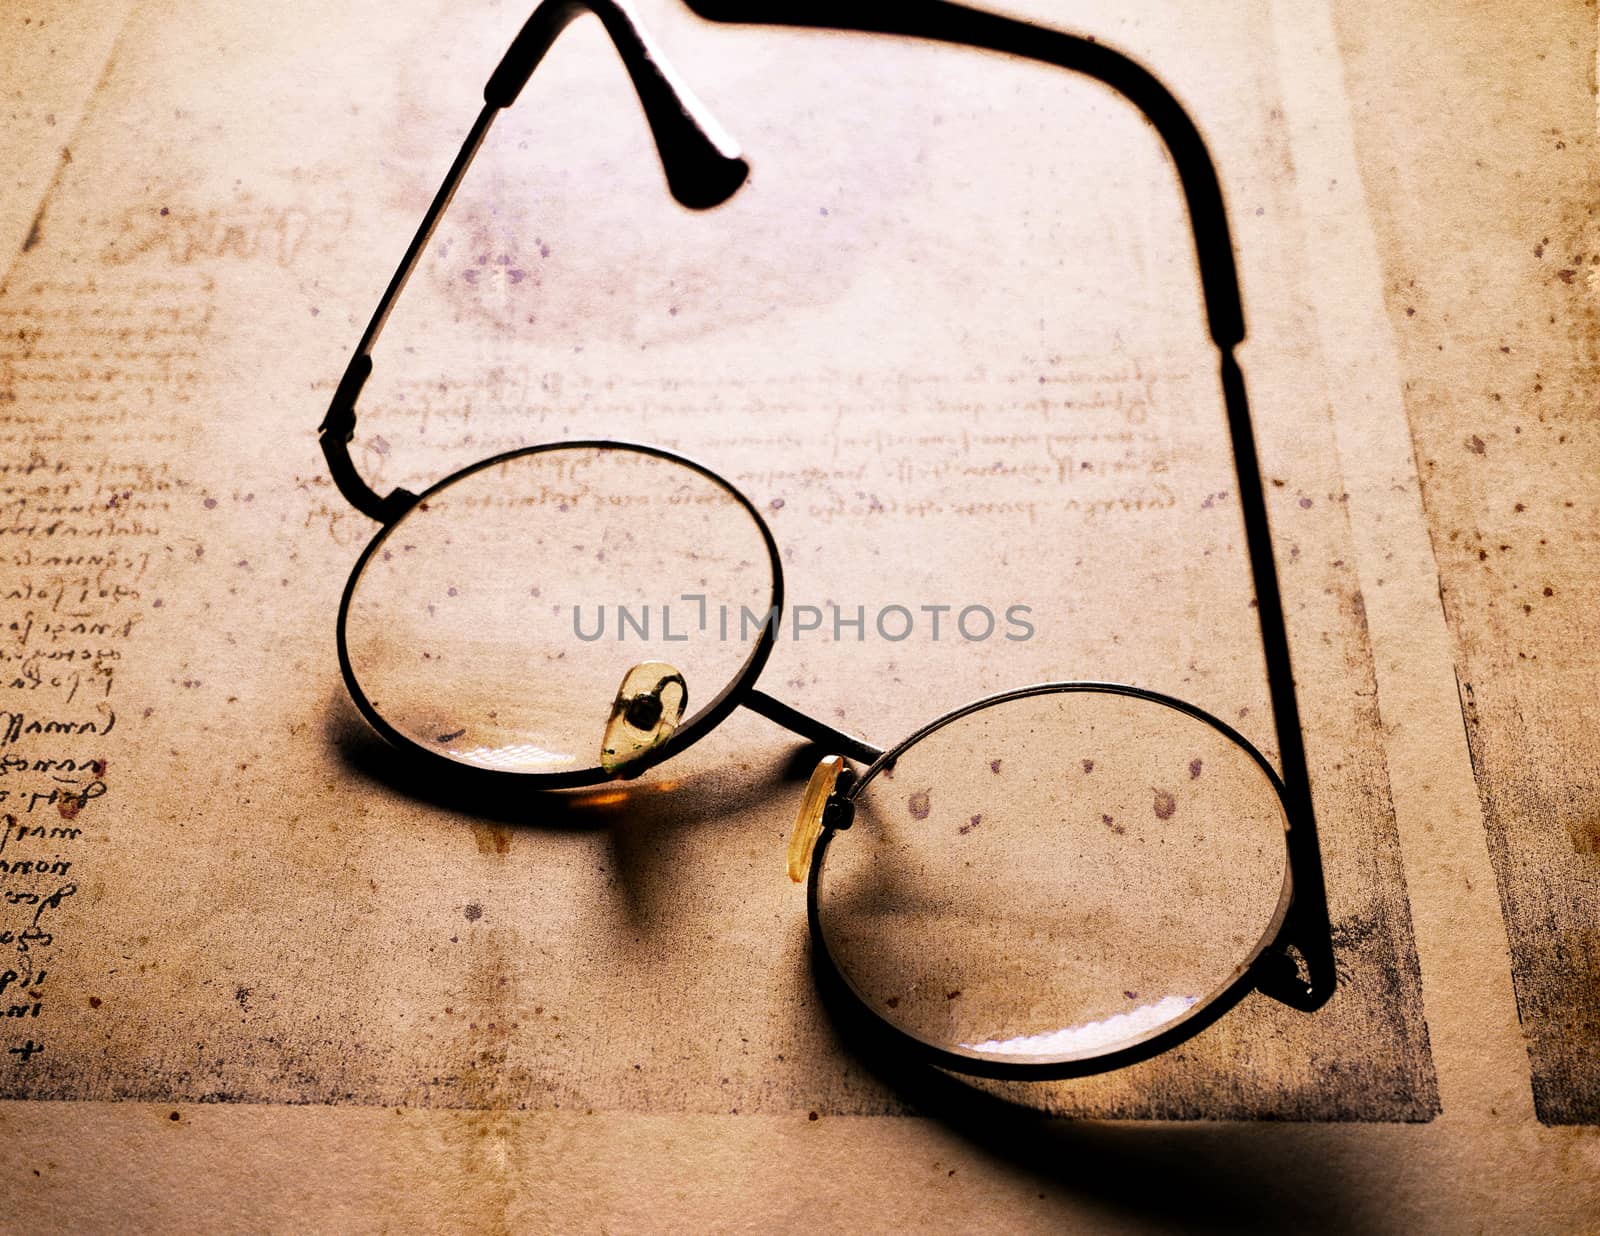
(703, 168)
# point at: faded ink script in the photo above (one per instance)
(81, 518)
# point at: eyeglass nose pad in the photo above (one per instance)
(823, 805)
(648, 707)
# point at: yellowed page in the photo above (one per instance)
(954, 359)
(1500, 405)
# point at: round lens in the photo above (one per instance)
(495, 622)
(1054, 876)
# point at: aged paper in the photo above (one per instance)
(939, 391)
(1501, 409)
(961, 362)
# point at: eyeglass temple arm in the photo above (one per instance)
(702, 165)
(955, 24)
(1307, 928)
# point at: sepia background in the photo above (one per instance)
(949, 341)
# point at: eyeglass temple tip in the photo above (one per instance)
(702, 163)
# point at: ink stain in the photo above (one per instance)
(994, 766)
(919, 805)
(970, 825)
(1475, 444)
(1088, 766)
(1194, 769)
(451, 737)
(1585, 835)
(1119, 829)
(893, 1002)
(952, 995)
(95, 1002)
(1353, 931)
(473, 913)
(1164, 805)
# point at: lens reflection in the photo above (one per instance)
(492, 623)
(1055, 876)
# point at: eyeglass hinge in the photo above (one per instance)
(335, 433)
(341, 418)
(1281, 975)
(840, 811)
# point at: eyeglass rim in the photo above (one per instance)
(697, 727)
(848, 1001)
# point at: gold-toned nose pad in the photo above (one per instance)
(648, 707)
(831, 775)
(647, 710)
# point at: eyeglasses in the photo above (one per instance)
(1052, 881)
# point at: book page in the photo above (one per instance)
(1506, 467)
(938, 392)
(949, 343)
